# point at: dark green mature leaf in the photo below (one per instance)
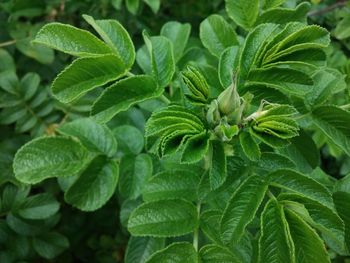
(161, 53)
(301, 184)
(178, 34)
(195, 148)
(334, 122)
(94, 136)
(116, 37)
(209, 225)
(217, 35)
(241, 208)
(139, 249)
(217, 169)
(38, 206)
(47, 157)
(243, 12)
(124, 94)
(71, 40)
(135, 171)
(270, 161)
(50, 245)
(85, 74)
(285, 15)
(175, 253)
(216, 253)
(275, 243)
(95, 185)
(342, 204)
(309, 247)
(163, 218)
(250, 146)
(130, 139)
(171, 185)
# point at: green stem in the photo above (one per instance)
(271, 195)
(164, 99)
(7, 43)
(196, 231)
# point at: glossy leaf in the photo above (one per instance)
(139, 249)
(50, 245)
(47, 157)
(176, 253)
(164, 218)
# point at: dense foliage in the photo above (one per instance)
(174, 131)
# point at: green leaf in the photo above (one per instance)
(85, 74)
(161, 54)
(95, 186)
(270, 161)
(209, 225)
(334, 122)
(301, 184)
(241, 208)
(318, 216)
(217, 35)
(195, 148)
(218, 169)
(50, 245)
(153, 4)
(178, 34)
(124, 94)
(94, 136)
(71, 40)
(275, 243)
(243, 12)
(139, 249)
(135, 172)
(228, 62)
(163, 218)
(132, 6)
(342, 29)
(175, 253)
(342, 203)
(116, 37)
(216, 253)
(130, 139)
(250, 146)
(309, 248)
(286, 80)
(38, 206)
(267, 4)
(171, 185)
(47, 157)
(285, 15)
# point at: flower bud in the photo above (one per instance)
(197, 85)
(229, 100)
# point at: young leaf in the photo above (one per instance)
(275, 243)
(309, 247)
(124, 94)
(50, 245)
(228, 63)
(164, 218)
(178, 34)
(216, 253)
(334, 122)
(95, 185)
(301, 184)
(171, 185)
(161, 54)
(241, 208)
(85, 74)
(47, 157)
(116, 37)
(38, 206)
(250, 146)
(218, 169)
(195, 148)
(217, 35)
(71, 40)
(139, 249)
(175, 253)
(94, 136)
(243, 12)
